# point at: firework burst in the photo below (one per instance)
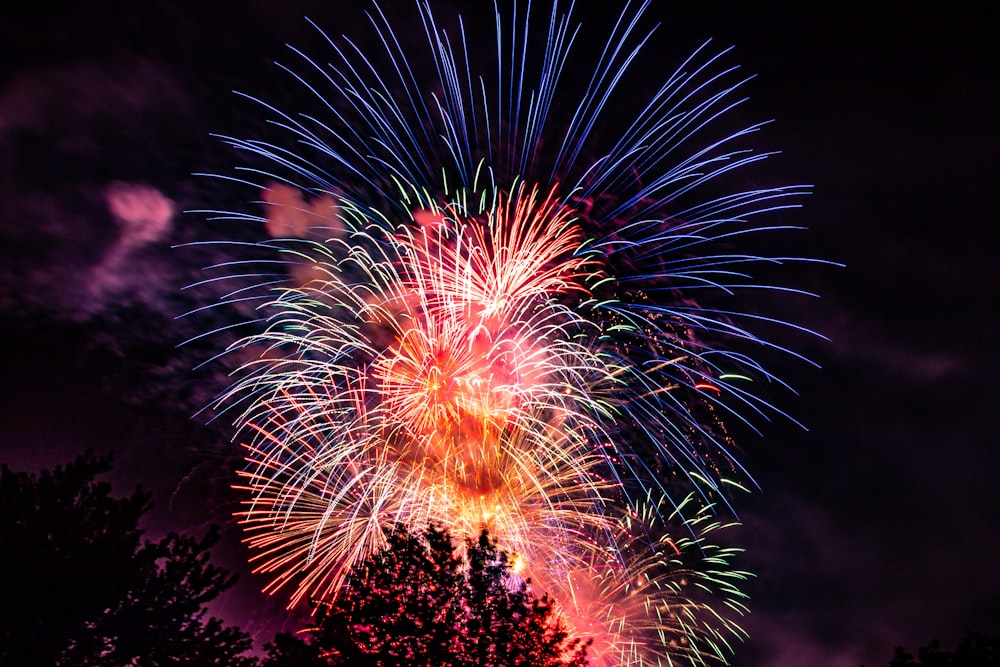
(491, 318)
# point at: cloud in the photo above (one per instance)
(72, 233)
(143, 216)
(142, 211)
(45, 100)
(879, 346)
(782, 641)
(842, 582)
(290, 215)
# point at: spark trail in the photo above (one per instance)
(492, 316)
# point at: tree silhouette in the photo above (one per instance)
(416, 604)
(287, 650)
(78, 586)
(975, 650)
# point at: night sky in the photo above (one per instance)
(875, 527)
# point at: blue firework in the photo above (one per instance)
(503, 303)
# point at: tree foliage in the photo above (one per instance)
(417, 604)
(975, 650)
(79, 585)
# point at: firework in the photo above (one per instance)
(490, 317)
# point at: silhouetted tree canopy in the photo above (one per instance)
(975, 650)
(79, 586)
(417, 604)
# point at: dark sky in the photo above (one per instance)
(875, 527)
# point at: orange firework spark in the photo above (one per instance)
(488, 321)
(478, 409)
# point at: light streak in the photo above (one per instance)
(499, 327)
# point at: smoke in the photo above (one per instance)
(143, 216)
